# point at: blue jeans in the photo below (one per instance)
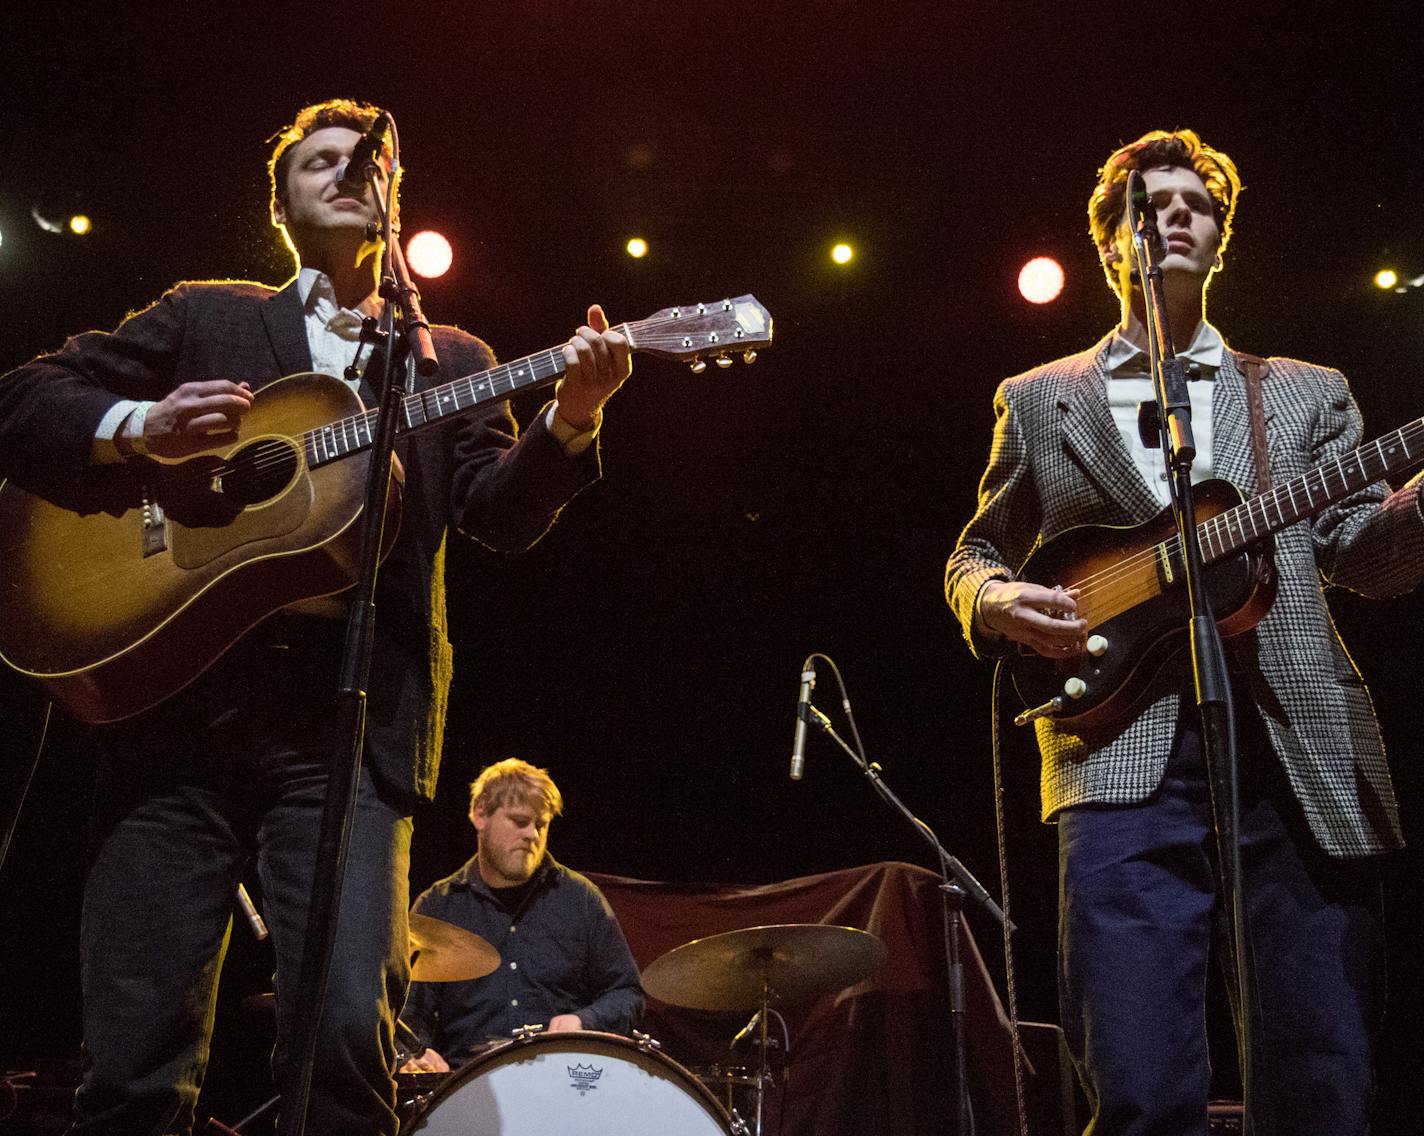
(1137, 913)
(235, 764)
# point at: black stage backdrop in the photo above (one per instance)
(648, 650)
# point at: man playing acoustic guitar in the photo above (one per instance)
(238, 757)
(1138, 899)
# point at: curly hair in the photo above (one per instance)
(514, 782)
(349, 113)
(1156, 149)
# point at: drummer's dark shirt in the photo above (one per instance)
(561, 951)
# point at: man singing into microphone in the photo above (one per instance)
(1138, 900)
(563, 961)
(238, 758)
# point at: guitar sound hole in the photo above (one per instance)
(259, 472)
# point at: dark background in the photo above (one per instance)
(648, 650)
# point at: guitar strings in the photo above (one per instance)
(1140, 568)
(269, 454)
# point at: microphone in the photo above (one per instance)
(251, 914)
(803, 705)
(352, 181)
(1142, 213)
(1141, 204)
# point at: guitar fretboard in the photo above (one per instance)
(1229, 532)
(347, 436)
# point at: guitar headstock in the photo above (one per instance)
(698, 331)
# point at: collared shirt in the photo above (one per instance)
(1129, 384)
(560, 952)
(333, 334)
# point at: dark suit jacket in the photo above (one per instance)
(1059, 461)
(469, 472)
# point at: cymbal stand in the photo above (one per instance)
(762, 1061)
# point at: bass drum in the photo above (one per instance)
(579, 1083)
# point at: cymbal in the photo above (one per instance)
(444, 952)
(797, 962)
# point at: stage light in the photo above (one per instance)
(842, 253)
(1041, 280)
(80, 225)
(637, 248)
(45, 222)
(429, 254)
(1386, 278)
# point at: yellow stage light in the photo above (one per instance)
(80, 225)
(842, 253)
(637, 248)
(1386, 278)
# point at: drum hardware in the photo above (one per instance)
(755, 966)
(646, 1041)
(414, 1091)
(526, 1032)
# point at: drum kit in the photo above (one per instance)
(601, 1084)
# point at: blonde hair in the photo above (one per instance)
(511, 782)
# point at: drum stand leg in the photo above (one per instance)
(223, 1130)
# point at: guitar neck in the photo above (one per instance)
(1229, 532)
(347, 436)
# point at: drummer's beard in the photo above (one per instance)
(515, 865)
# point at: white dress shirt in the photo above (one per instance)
(1129, 384)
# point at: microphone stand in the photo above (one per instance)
(953, 892)
(1209, 672)
(413, 347)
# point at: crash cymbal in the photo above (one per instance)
(443, 952)
(796, 961)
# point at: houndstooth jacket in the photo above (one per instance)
(1058, 461)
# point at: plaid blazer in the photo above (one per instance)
(1058, 461)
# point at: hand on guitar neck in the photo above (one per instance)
(1042, 619)
(596, 361)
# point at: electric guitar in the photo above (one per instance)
(112, 612)
(1130, 581)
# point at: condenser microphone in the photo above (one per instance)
(803, 707)
(352, 181)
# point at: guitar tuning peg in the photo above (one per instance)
(698, 366)
(749, 356)
(723, 361)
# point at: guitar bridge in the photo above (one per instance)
(153, 526)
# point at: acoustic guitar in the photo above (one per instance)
(1130, 578)
(112, 612)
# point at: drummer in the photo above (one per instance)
(564, 963)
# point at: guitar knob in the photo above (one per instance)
(723, 361)
(1075, 687)
(698, 366)
(748, 356)
(1096, 645)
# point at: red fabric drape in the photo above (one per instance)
(874, 1058)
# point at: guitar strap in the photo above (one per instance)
(1255, 369)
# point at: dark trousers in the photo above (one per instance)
(1138, 908)
(232, 766)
